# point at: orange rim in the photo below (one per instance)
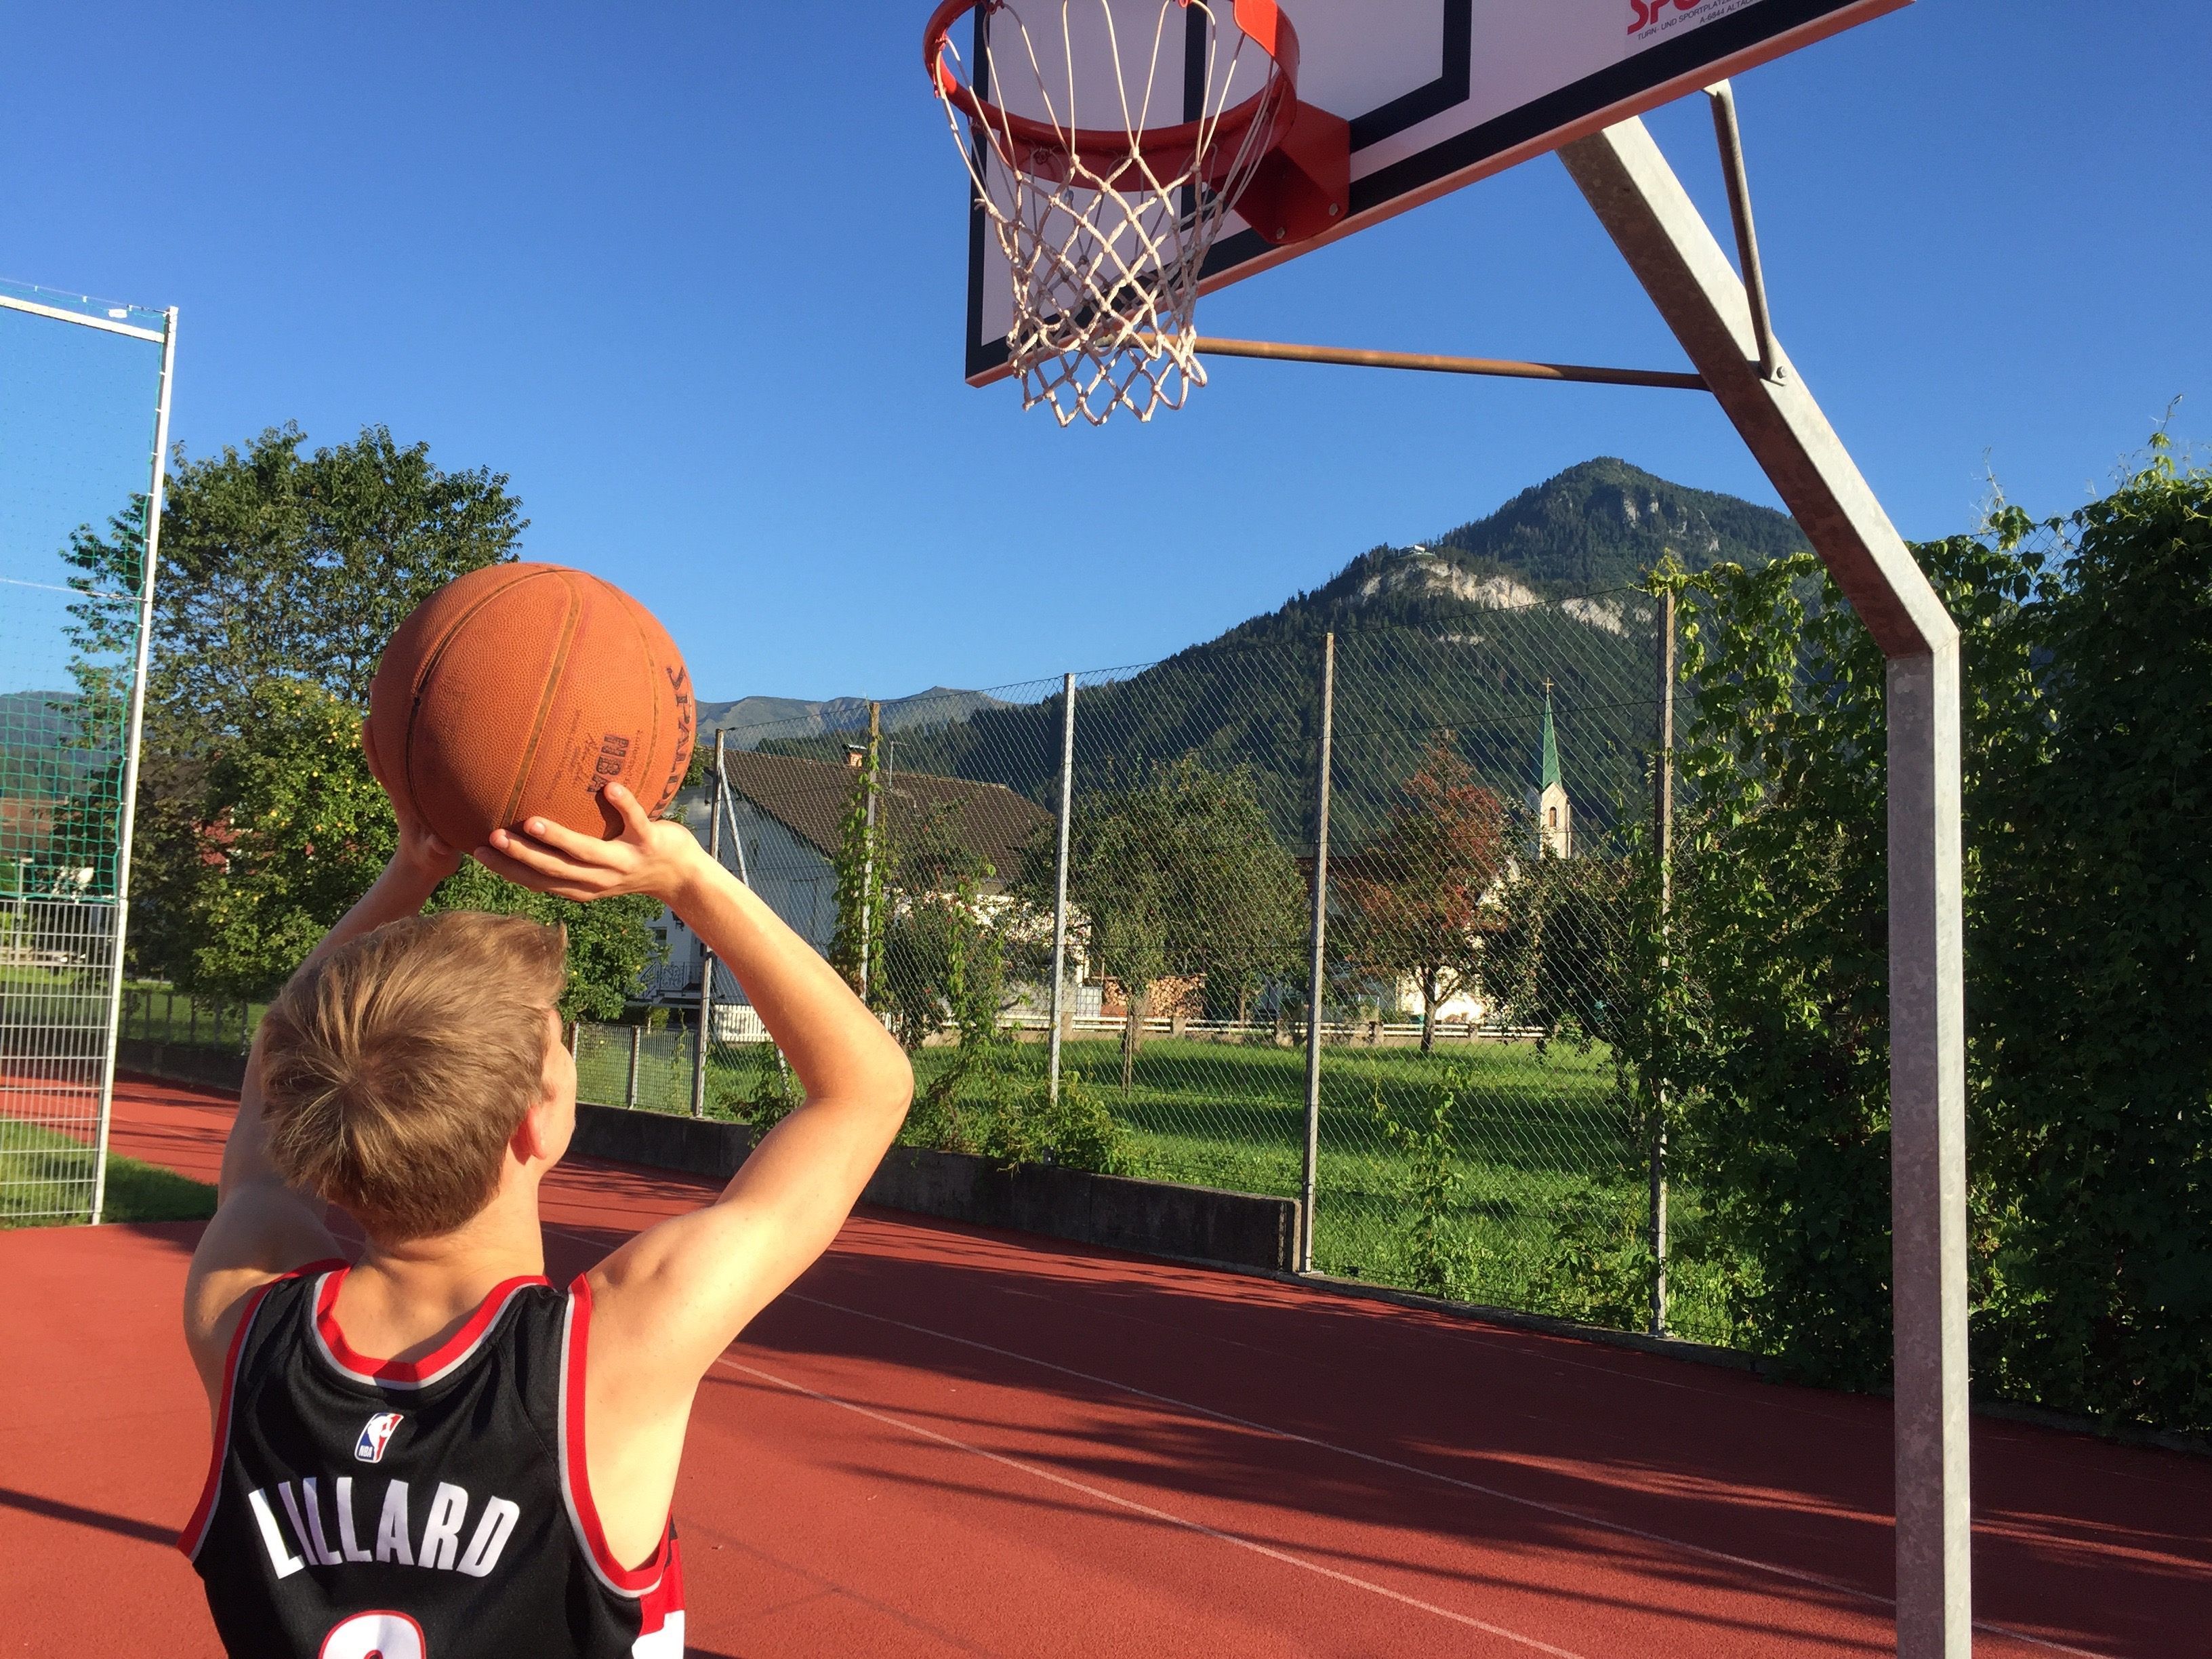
(1044, 150)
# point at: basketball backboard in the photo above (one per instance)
(1438, 94)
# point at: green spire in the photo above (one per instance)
(1550, 762)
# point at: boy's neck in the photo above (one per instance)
(411, 1296)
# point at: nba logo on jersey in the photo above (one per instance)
(375, 1435)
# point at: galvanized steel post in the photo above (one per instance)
(1059, 884)
(1315, 1000)
(868, 849)
(133, 736)
(1668, 244)
(1662, 816)
(703, 1036)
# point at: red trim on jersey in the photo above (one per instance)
(661, 1572)
(447, 1354)
(665, 1597)
(195, 1533)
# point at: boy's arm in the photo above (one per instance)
(262, 1228)
(669, 1302)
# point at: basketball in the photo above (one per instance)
(524, 690)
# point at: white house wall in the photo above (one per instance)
(791, 878)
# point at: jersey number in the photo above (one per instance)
(374, 1635)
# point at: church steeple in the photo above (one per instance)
(1551, 813)
(1550, 760)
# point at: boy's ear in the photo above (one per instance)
(538, 1136)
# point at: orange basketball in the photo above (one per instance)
(520, 690)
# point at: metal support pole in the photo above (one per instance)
(868, 854)
(728, 796)
(636, 1052)
(1306, 1184)
(1662, 818)
(707, 956)
(1669, 246)
(1747, 239)
(1060, 885)
(133, 735)
(1511, 368)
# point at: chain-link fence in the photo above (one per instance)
(1474, 1133)
(83, 384)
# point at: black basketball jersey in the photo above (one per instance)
(436, 1509)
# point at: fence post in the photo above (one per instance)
(1060, 886)
(868, 852)
(706, 956)
(133, 737)
(192, 1021)
(1662, 813)
(1313, 989)
(629, 1086)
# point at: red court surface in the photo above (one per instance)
(951, 1441)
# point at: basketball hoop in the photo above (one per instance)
(1107, 227)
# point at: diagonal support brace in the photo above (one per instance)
(1643, 206)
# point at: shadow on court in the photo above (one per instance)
(949, 1441)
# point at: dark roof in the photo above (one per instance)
(810, 797)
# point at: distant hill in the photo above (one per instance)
(749, 721)
(1460, 635)
(1603, 524)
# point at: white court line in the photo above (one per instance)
(1145, 1510)
(1559, 1511)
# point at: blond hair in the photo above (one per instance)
(395, 1070)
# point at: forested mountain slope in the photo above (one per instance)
(1460, 635)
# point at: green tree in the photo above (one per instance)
(611, 940)
(1179, 875)
(1418, 898)
(305, 829)
(301, 830)
(1555, 956)
(283, 572)
(276, 563)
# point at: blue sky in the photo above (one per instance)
(695, 284)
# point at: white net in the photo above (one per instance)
(1106, 225)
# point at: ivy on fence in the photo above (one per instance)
(2087, 694)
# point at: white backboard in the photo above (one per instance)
(1439, 93)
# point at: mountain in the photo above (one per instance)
(1598, 526)
(749, 722)
(1467, 635)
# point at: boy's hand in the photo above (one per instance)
(420, 854)
(651, 855)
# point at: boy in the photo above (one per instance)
(434, 1451)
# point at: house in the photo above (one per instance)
(788, 814)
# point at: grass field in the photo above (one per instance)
(72, 996)
(46, 1180)
(1536, 1190)
(1529, 1192)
